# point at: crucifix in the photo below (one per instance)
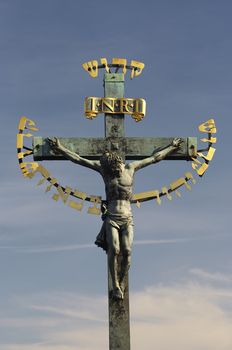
(108, 156)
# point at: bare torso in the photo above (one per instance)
(119, 191)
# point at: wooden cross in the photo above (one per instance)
(130, 148)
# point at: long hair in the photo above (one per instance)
(110, 162)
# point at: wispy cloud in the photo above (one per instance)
(73, 247)
(184, 316)
(68, 312)
(211, 277)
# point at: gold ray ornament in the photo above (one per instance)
(29, 169)
(200, 166)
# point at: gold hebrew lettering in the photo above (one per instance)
(28, 167)
(95, 199)
(158, 199)
(189, 176)
(211, 139)
(208, 126)
(80, 194)
(64, 194)
(188, 187)
(137, 68)
(94, 210)
(22, 123)
(91, 67)
(25, 123)
(56, 197)
(209, 155)
(19, 143)
(53, 181)
(20, 155)
(48, 188)
(202, 169)
(41, 181)
(25, 172)
(121, 62)
(20, 137)
(75, 205)
(165, 191)
(199, 167)
(30, 125)
(104, 61)
(138, 196)
(196, 161)
(178, 193)
(175, 184)
(31, 175)
(144, 195)
(43, 171)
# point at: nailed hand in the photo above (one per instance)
(54, 143)
(177, 142)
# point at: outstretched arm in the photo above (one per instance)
(156, 156)
(74, 157)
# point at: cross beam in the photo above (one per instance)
(134, 148)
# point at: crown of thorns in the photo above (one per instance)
(110, 159)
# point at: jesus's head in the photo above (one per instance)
(112, 163)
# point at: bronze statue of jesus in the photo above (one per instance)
(116, 235)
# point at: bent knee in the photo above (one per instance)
(114, 250)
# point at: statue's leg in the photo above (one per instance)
(113, 251)
(126, 240)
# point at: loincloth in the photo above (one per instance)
(120, 222)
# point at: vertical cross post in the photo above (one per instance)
(119, 314)
(114, 87)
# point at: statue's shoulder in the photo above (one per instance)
(129, 167)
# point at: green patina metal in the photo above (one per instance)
(130, 149)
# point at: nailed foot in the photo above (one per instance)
(117, 294)
(122, 287)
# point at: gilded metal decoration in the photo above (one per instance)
(201, 166)
(107, 156)
(92, 67)
(136, 107)
(29, 169)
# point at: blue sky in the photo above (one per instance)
(53, 280)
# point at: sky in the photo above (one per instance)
(53, 279)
